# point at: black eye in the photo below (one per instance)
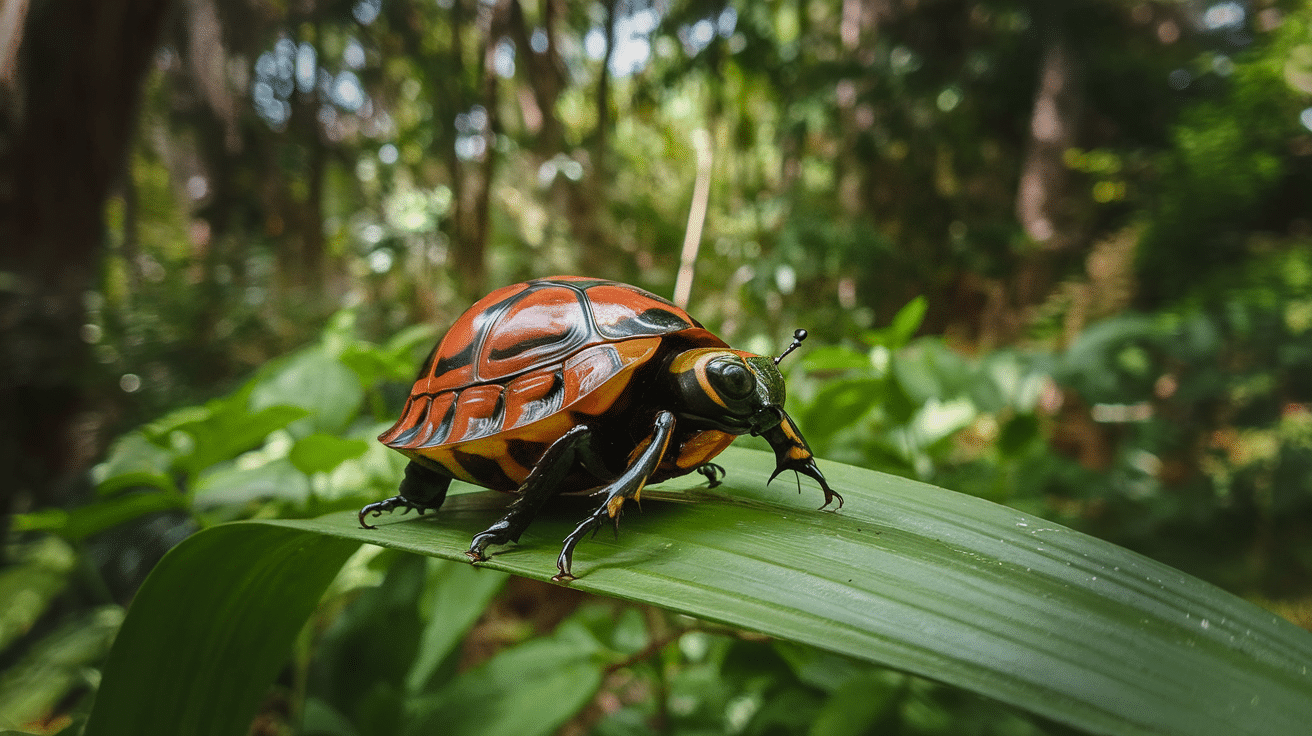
(732, 380)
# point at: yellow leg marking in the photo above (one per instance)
(614, 505)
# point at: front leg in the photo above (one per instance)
(628, 485)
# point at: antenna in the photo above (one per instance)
(798, 337)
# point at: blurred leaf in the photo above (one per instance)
(907, 575)
(366, 651)
(827, 358)
(938, 420)
(455, 595)
(907, 320)
(231, 429)
(32, 687)
(528, 690)
(38, 573)
(854, 707)
(929, 370)
(321, 453)
(321, 719)
(1018, 433)
(227, 484)
(84, 521)
(394, 362)
(134, 461)
(902, 328)
(329, 393)
(838, 405)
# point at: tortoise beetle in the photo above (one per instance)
(570, 384)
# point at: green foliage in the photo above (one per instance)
(901, 404)
(924, 580)
(278, 438)
(1223, 174)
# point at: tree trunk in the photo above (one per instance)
(78, 78)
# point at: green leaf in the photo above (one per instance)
(928, 369)
(838, 405)
(134, 461)
(231, 429)
(210, 627)
(907, 320)
(456, 596)
(227, 485)
(84, 521)
(329, 393)
(321, 453)
(835, 358)
(528, 690)
(37, 574)
(55, 666)
(917, 578)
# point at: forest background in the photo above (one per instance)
(1051, 254)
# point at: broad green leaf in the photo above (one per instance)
(230, 430)
(210, 628)
(228, 485)
(456, 595)
(840, 403)
(906, 575)
(329, 392)
(134, 461)
(927, 369)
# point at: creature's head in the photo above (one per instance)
(728, 390)
(741, 393)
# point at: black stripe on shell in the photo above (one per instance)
(571, 334)
(408, 436)
(478, 333)
(453, 362)
(485, 470)
(651, 321)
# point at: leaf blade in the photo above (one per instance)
(909, 576)
(210, 628)
(943, 585)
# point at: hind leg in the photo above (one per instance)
(422, 489)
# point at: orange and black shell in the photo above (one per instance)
(530, 361)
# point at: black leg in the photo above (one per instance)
(714, 474)
(542, 483)
(627, 486)
(422, 489)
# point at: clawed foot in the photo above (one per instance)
(565, 562)
(389, 504)
(713, 473)
(498, 533)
